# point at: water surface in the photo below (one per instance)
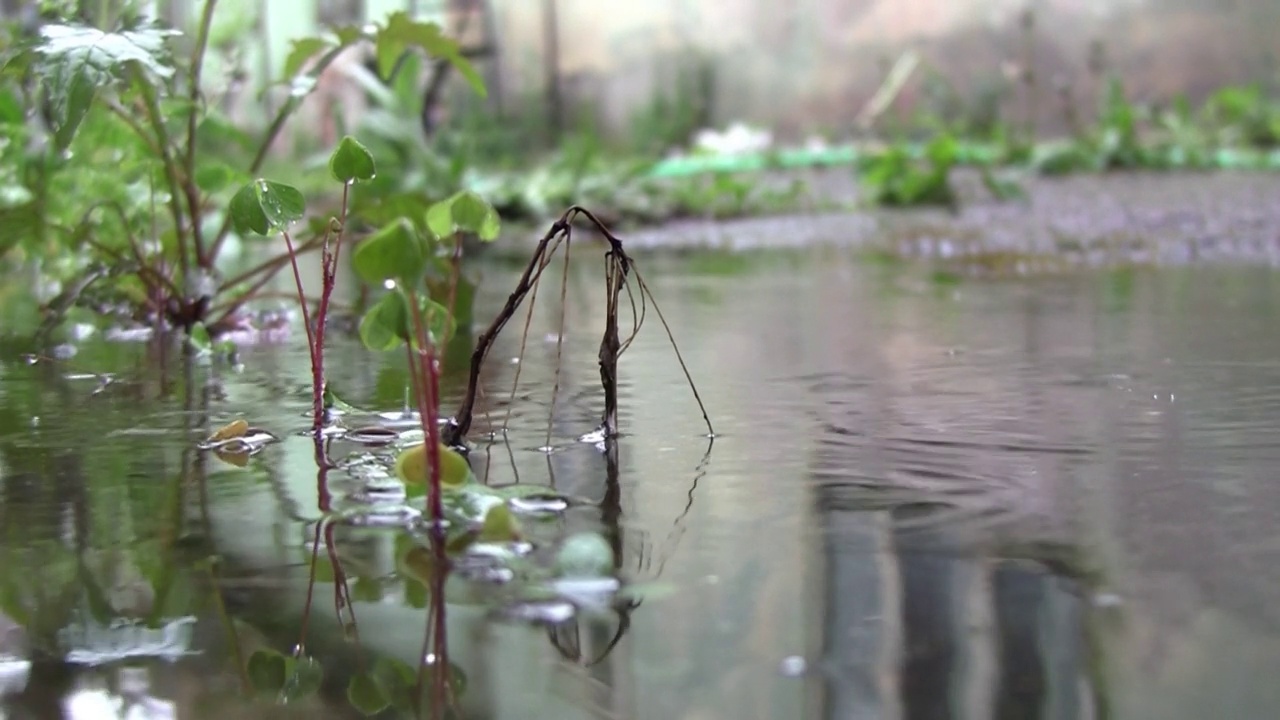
(1046, 497)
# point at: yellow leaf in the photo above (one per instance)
(411, 466)
(234, 429)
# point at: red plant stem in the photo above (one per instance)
(427, 379)
(328, 272)
(315, 338)
(306, 315)
(325, 501)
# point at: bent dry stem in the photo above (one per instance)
(620, 268)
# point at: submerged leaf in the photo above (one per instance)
(500, 525)
(585, 555)
(365, 695)
(267, 670)
(397, 681)
(304, 678)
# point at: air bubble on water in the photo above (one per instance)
(793, 666)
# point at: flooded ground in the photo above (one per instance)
(928, 497)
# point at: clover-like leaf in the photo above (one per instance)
(365, 695)
(465, 211)
(351, 161)
(265, 207)
(214, 176)
(393, 253)
(303, 679)
(385, 325)
(267, 671)
(397, 681)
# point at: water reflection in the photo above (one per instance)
(1041, 499)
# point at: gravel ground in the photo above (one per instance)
(1078, 220)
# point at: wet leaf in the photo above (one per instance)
(411, 466)
(267, 671)
(365, 695)
(265, 207)
(366, 590)
(234, 429)
(500, 525)
(397, 681)
(305, 675)
(351, 161)
(74, 62)
(393, 253)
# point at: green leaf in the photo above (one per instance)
(351, 161)
(465, 211)
(265, 207)
(75, 62)
(401, 31)
(200, 339)
(302, 50)
(390, 322)
(585, 554)
(440, 219)
(10, 107)
(385, 325)
(304, 678)
(473, 214)
(214, 176)
(72, 108)
(397, 681)
(394, 252)
(365, 695)
(267, 671)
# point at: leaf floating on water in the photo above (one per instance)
(237, 441)
(234, 429)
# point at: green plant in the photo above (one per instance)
(124, 101)
(896, 177)
(1243, 116)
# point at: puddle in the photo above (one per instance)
(1041, 497)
